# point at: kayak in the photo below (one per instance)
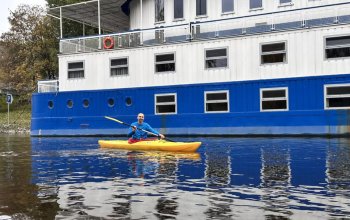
(158, 145)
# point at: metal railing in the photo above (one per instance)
(48, 86)
(231, 27)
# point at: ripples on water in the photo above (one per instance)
(229, 178)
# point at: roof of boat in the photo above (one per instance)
(114, 14)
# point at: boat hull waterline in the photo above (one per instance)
(158, 145)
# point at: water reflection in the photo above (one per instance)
(275, 182)
(259, 178)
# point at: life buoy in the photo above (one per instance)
(108, 43)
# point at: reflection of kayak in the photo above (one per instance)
(159, 145)
(169, 155)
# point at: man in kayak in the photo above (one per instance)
(135, 132)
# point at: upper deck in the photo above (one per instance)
(157, 22)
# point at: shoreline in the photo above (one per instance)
(14, 129)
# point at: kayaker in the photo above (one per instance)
(139, 135)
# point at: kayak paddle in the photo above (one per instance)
(129, 125)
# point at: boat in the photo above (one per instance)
(154, 145)
(200, 68)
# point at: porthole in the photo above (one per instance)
(70, 104)
(86, 103)
(50, 104)
(128, 101)
(110, 102)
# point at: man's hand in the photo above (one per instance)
(161, 136)
(133, 128)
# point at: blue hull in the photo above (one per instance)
(306, 114)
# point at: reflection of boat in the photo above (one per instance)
(156, 145)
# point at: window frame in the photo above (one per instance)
(119, 66)
(228, 12)
(274, 99)
(274, 52)
(285, 3)
(183, 11)
(334, 47)
(164, 62)
(216, 58)
(78, 61)
(325, 96)
(206, 9)
(257, 8)
(156, 11)
(217, 101)
(165, 103)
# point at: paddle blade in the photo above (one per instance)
(113, 119)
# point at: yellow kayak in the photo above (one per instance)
(158, 145)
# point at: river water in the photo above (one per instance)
(229, 178)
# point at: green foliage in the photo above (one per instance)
(29, 50)
(19, 118)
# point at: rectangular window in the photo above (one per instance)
(337, 47)
(178, 9)
(216, 101)
(273, 53)
(159, 10)
(165, 104)
(165, 63)
(274, 99)
(215, 58)
(227, 6)
(76, 70)
(201, 7)
(337, 96)
(285, 1)
(119, 66)
(255, 4)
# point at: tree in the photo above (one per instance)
(29, 49)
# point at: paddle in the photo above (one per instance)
(129, 125)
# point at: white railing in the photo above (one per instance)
(131, 39)
(247, 25)
(48, 86)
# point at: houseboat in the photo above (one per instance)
(203, 67)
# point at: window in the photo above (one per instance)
(165, 104)
(273, 53)
(274, 99)
(215, 58)
(201, 7)
(128, 101)
(110, 102)
(86, 103)
(337, 47)
(69, 103)
(76, 70)
(178, 9)
(255, 4)
(165, 63)
(337, 96)
(50, 104)
(285, 1)
(227, 6)
(216, 101)
(119, 67)
(159, 10)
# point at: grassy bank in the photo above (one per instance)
(19, 119)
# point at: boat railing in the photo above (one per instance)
(47, 86)
(132, 39)
(196, 31)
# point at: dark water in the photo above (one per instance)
(230, 178)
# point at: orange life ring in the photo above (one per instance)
(108, 43)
